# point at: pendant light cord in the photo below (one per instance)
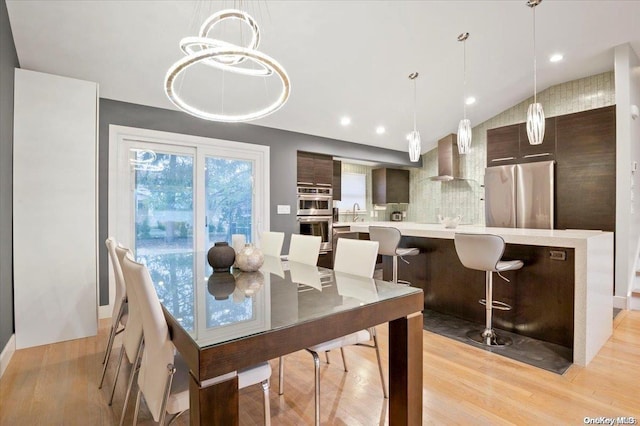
(535, 82)
(415, 103)
(464, 80)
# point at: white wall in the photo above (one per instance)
(627, 82)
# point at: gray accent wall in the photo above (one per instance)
(8, 62)
(283, 148)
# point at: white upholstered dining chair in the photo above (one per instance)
(354, 257)
(271, 243)
(119, 315)
(132, 341)
(303, 251)
(132, 334)
(163, 377)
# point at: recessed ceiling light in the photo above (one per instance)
(470, 100)
(380, 130)
(556, 57)
(345, 121)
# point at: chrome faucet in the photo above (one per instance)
(355, 215)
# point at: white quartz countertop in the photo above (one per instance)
(536, 237)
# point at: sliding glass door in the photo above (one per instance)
(164, 199)
(179, 193)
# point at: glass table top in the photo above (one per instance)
(218, 307)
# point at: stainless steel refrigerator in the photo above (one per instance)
(520, 195)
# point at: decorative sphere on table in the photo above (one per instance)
(221, 257)
(250, 258)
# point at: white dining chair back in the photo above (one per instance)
(133, 333)
(132, 340)
(119, 303)
(155, 375)
(357, 257)
(119, 315)
(304, 249)
(271, 243)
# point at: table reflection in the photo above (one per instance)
(356, 289)
(220, 306)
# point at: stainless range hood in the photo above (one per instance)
(448, 160)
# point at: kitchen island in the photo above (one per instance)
(563, 294)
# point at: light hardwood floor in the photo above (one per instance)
(57, 385)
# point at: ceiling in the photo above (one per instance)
(343, 57)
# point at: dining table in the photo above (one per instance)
(222, 322)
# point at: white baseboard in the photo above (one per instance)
(7, 353)
(620, 302)
(105, 311)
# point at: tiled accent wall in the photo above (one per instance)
(428, 199)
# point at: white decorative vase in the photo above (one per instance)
(250, 258)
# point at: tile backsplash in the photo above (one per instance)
(430, 199)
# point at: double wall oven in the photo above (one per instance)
(315, 213)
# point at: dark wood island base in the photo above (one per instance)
(541, 293)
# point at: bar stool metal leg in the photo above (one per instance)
(488, 336)
(395, 270)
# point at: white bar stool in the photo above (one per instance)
(483, 252)
(389, 238)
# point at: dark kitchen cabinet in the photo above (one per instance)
(390, 186)
(586, 170)
(583, 146)
(337, 180)
(503, 145)
(315, 169)
(543, 152)
(510, 144)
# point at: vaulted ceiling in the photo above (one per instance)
(344, 58)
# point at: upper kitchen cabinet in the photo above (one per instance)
(543, 152)
(315, 169)
(390, 186)
(503, 145)
(510, 144)
(337, 180)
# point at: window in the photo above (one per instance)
(354, 190)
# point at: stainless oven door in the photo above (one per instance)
(314, 205)
(320, 226)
